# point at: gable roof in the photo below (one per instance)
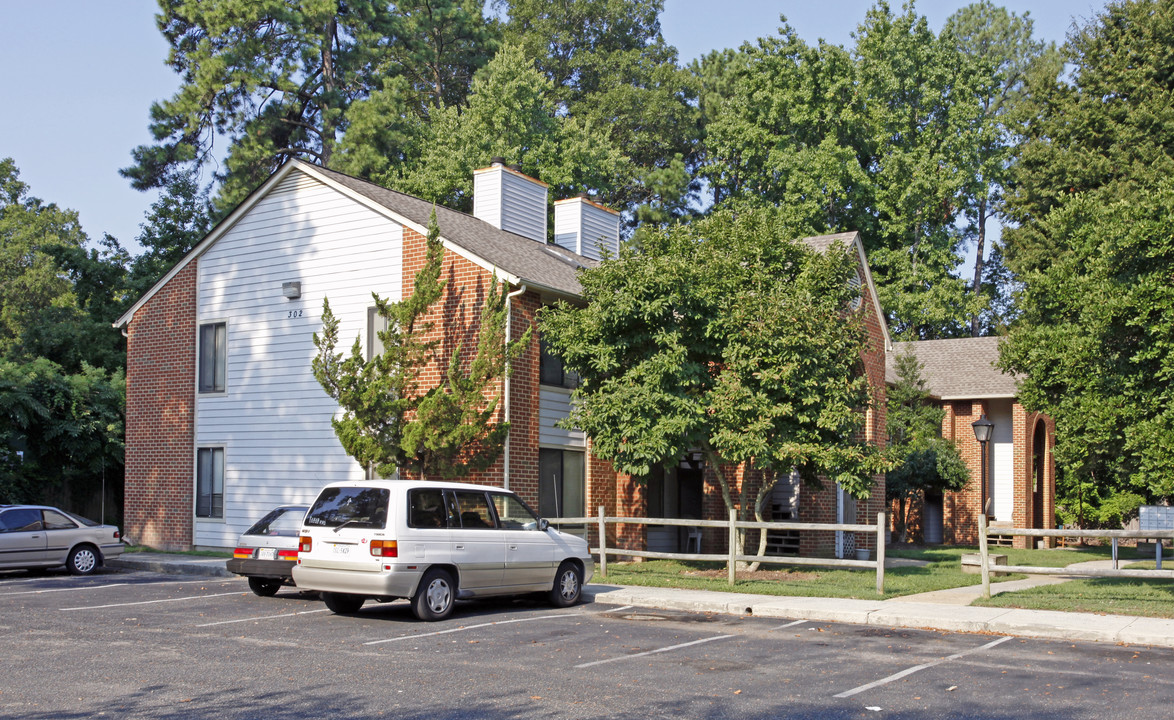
(961, 369)
(515, 259)
(850, 240)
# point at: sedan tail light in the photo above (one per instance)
(287, 554)
(242, 553)
(305, 543)
(385, 548)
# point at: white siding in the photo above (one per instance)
(274, 419)
(510, 201)
(554, 404)
(587, 229)
(1002, 461)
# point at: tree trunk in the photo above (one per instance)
(977, 287)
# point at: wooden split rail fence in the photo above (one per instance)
(984, 531)
(732, 528)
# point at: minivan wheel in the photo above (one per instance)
(265, 587)
(434, 596)
(568, 585)
(83, 560)
(343, 603)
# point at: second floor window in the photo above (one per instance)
(551, 370)
(213, 357)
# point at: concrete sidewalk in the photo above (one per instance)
(950, 613)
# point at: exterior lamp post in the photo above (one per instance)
(982, 433)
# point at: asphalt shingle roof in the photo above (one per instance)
(538, 263)
(957, 369)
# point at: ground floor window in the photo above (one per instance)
(210, 483)
(561, 483)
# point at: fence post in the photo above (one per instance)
(1114, 553)
(602, 544)
(984, 556)
(880, 553)
(1158, 556)
(732, 561)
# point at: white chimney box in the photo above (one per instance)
(510, 201)
(586, 228)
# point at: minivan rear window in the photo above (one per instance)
(357, 507)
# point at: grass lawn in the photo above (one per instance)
(198, 553)
(943, 570)
(1119, 596)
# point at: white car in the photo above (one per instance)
(432, 543)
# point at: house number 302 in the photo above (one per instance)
(295, 313)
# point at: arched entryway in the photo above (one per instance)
(1039, 457)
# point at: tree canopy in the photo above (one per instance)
(723, 335)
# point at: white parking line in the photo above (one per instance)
(149, 602)
(653, 652)
(264, 617)
(790, 624)
(917, 668)
(471, 627)
(68, 589)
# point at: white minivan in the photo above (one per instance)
(432, 543)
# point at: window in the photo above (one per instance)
(56, 521)
(210, 483)
(20, 520)
(213, 357)
(560, 483)
(512, 513)
(474, 509)
(550, 369)
(355, 507)
(376, 324)
(426, 509)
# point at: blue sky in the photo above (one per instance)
(78, 78)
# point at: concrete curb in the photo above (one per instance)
(1089, 627)
(209, 567)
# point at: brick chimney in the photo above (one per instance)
(509, 200)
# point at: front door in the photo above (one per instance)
(529, 552)
(1039, 447)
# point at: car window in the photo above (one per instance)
(512, 513)
(56, 521)
(474, 510)
(81, 520)
(281, 522)
(20, 520)
(426, 509)
(355, 507)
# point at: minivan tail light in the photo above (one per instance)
(287, 554)
(385, 548)
(242, 553)
(305, 543)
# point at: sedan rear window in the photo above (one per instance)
(358, 507)
(282, 522)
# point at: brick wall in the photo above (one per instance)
(160, 416)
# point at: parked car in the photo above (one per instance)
(267, 552)
(40, 536)
(433, 543)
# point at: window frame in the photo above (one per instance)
(196, 494)
(560, 501)
(219, 358)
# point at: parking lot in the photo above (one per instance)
(135, 644)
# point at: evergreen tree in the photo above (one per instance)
(390, 422)
(925, 461)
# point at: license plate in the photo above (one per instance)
(267, 554)
(341, 549)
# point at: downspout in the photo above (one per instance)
(509, 325)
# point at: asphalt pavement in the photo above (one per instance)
(943, 610)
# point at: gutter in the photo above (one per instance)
(509, 326)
